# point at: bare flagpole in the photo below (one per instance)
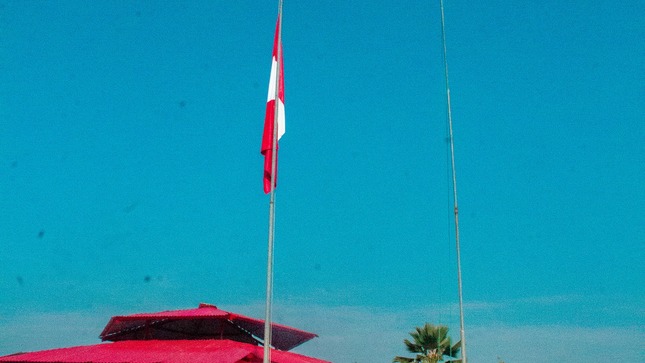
(269, 286)
(454, 190)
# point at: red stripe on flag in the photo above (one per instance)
(267, 146)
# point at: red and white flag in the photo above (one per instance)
(269, 118)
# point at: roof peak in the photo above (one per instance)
(204, 322)
(205, 305)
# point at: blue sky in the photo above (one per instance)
(130, 173)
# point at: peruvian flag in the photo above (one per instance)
(269, 118)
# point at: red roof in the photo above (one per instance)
(203, 335)
(205, 322)
(160, 351)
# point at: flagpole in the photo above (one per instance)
(464, 358)
(269, 283)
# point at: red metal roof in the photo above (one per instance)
(160, 351)
(205, 322)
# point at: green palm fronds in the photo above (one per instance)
(431, 343)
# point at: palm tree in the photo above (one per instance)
(431, 343)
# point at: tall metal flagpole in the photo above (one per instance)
(454, 190)
(269, 286)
